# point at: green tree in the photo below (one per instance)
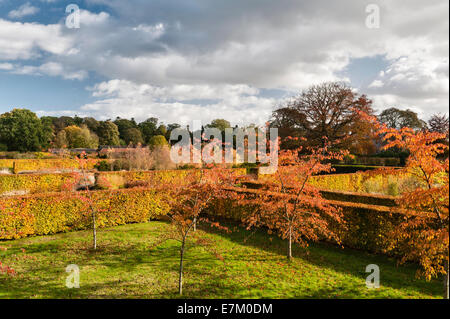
(91, 123)
(77, 137)
(21, 130)
(123, 125)
(62, 122)
(132, 136)
(221, 124)
(170, 128)
(148, 128)
(108, 133)
(398, 119)
(157, 140)
(162, 130)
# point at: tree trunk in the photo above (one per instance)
(180, 279)
(94, 230)
(446, 281)
(289, 252)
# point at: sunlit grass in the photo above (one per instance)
(125, 266)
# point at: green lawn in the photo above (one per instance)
(124, 266)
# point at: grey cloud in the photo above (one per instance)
(284, 44)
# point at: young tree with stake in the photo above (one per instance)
(290, 206)
(188, 204)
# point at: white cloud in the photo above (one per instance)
(6, 66)
(210, 50)
(88, 18)
(27, 40)
(376, 84)
(50, 69)
(179, 103)
(24, 10)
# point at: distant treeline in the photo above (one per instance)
(328, 111)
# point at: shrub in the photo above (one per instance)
(103, 166)
(40, 183)
(161, 158)
(20, 165)
(393, 189)
(52, 213)
(157, 141)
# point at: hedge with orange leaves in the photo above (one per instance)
(43, 183)
(19, 165)
(366, 228)
(22, 216)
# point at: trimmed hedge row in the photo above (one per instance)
(43, 214)
(349, 169)
(366, 225)
(21, 216)
(19, 165)
(34, 183)
(369, 199)
(130, 178)
(373, 161)
(365, 183)
(43, 183)
(392, 185)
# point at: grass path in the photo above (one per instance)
(124, 266)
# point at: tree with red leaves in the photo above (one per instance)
(289, 205)
(188, 204)
(423, 235)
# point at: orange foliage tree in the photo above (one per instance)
(423, 235)
(188, 204)
(289, 205)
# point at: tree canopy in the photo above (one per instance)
(21, 130)
(324, 112)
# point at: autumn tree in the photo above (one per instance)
(187, 204)
(289, 205)
(325, 110)
(423, 235)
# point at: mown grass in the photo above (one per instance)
(125, 266)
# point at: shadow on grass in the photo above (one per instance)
(124, 266)
(327, 256)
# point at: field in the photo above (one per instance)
(126, 266)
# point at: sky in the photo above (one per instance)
(186, 60)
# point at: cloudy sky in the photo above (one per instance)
(185, 60)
